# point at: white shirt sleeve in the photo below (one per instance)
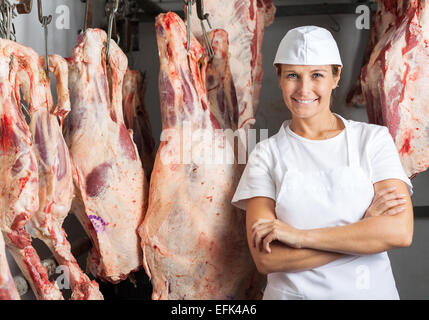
(385, 161)
(256, 180)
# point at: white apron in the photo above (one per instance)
(319, 199)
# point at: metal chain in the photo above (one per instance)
(8, 13)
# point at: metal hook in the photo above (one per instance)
(337, 26)
(200, 11)
(205, 16)
(9, 9)
(40, 11)
(189, 4)
(7, 15)
(111, 9)
(189, 1)
(44, 20)
(202, 16)
(89, 9)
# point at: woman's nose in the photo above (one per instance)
(304, 87)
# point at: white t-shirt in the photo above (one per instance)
(263, 174)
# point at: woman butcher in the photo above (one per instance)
(325, 197)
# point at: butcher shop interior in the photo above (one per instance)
(91, 93)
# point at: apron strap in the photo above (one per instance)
(352, 156)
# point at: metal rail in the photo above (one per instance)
(151, 9)
(322, 9)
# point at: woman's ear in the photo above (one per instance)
(339, 72)
(337, 77)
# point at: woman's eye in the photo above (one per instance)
(291, 75)
(317, 75)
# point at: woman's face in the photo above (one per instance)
(307, 89)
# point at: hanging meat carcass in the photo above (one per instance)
(244, 21)
(137, 119)
(108, 174)
(7, 286)
(193, 239)
(386, 17)
(55, 169)
(394, 84)
(19, 182)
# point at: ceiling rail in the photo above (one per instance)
(152, 9)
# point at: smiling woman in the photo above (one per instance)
(307, 92)
(325, 195)
(335, 69)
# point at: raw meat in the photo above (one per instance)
(244, 21)
(220, 87)
(7, 286)
(58, 66)
(394, 83)
(108, 174)
(193, 239)
(137, 119)
(55, 169)
(385, 18)
(19, 182)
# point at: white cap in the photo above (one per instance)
(308, 45)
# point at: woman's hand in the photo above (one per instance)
(264, 231)
(386, 202)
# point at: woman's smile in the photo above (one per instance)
(305, 101)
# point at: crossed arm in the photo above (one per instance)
(286, 249)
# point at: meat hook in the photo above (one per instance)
(111, 9)
(9, 9)
(44, 20)
(188, 4)
(8, 14)
(202, 16)
(89, 11)
(200, 11)
(41, 16)
(205, 16)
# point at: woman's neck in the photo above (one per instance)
(319, 127)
